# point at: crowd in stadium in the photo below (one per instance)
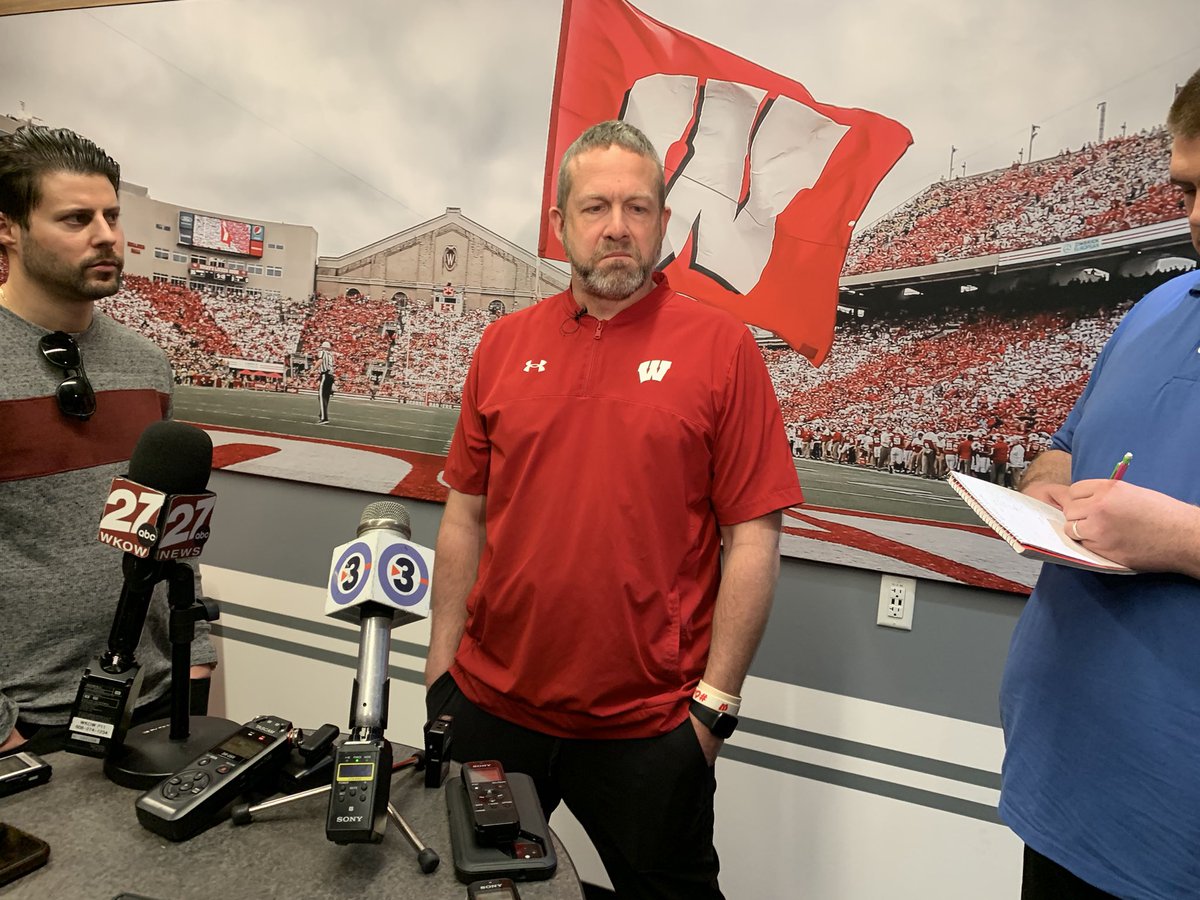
(382, 348)
(261, 327)
(900, 391)
(904, 391)
(1106, 187)
(976, 386)
(393, 351)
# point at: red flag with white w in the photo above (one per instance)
(764, 182)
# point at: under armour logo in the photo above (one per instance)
(653, 369)
(746, 162)
(530, 365)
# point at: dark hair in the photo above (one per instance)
(1184, 118)
(601, 137)
(33, 151)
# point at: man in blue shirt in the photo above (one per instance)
(1101, 695)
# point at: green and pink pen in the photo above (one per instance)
(1118, 473)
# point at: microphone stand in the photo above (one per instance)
(151, 753)
(427, 857)
(363, 763)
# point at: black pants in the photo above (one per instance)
(1044, 879)
(646, 803)
(326, 391)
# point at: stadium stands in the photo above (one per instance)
(432, 355)
(177, 319)
(1014, 366)
(354, 326)
(905, 389)
(1101, 188)
(261, 328)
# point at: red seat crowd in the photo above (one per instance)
(1099, 189)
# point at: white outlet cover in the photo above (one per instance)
(896, 590)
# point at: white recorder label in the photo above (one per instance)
(90, 726)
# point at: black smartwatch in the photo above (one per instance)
(719, 723)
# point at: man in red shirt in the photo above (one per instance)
(610, 546)
(964, 454)
(999, 460)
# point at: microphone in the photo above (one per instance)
(379, 579)
(579, 314)
(163, 492)
(157, 513)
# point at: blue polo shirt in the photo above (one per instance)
(1100, 700)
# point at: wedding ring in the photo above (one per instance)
(1075, 529)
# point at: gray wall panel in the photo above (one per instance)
(287, 529)
(822, 633)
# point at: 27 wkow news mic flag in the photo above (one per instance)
(765, 183)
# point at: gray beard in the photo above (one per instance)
(617, 282)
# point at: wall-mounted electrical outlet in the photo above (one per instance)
(897, 596)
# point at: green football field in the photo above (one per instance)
(428, 430)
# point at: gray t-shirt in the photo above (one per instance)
(59, 586)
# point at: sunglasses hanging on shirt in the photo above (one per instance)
(75, 395)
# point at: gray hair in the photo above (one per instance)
(601, 137)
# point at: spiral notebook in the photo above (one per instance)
(1036, 530)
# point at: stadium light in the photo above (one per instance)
(1103, 107)
(953, 150)
(1033, 130)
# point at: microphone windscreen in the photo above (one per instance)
(173, 458)
(386, 514)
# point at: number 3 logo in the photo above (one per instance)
(404, 575)
(350, 573)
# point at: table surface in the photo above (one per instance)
(98, 849)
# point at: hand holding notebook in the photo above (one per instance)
(1036, 530)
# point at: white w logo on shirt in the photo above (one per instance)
(653, 369)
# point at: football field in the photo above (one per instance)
(425, 429)
(353, 420)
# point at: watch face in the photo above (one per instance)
(723, 725)
(720, 724)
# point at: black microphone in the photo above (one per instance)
(170, 458)
(158, 513)
(582, 311)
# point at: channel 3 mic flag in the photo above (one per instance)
(381, 566)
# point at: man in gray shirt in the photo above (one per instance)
(76, 392)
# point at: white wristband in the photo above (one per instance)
(707, 695)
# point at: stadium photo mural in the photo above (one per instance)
(930, 235)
